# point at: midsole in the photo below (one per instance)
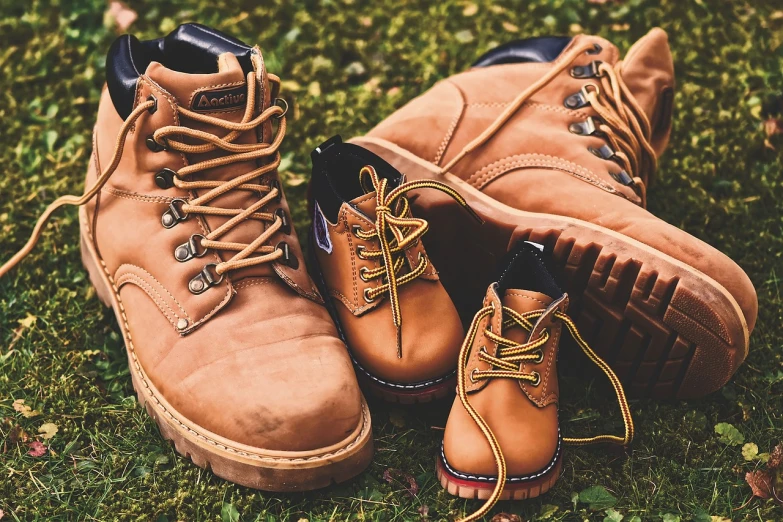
(197, 434)
(485, 205)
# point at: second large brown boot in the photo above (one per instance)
(187, 236)
(555, 140)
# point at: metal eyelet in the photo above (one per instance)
(190, 250)
(622, 177)
(174, 214)
(591, 70)
(275, 184)
(280, 102)
(165, 178)
(355, 229)
(205, 279)
(538, 379)
(366, 295)
(288, 259)
(473, 375)
(539, 356)
(360, 251)
(363, 274)
(603, 152)
(576, 101)
(153, 144)
(286, 226)
(588, 127)
(154, 108)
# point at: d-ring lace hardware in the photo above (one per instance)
(622, 121)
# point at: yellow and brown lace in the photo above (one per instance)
(506, 364)
(254, 253)
(621, 120)
(393, 218)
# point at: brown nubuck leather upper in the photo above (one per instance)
(398, 321)
(503, 429)
(576, 134)
(193, 230)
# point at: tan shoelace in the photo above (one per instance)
(622, 121)
(508, 359)
(200, 205)
(392, 217)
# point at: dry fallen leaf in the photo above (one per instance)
(24, 409)
(760, 483)
(17, 434)
(470, 10)
(392, 475)
(36, 449)
(48, 430)
(775, 457)
(120, 15)
(506, 517)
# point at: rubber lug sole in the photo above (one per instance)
(465, 488)
(667, 329)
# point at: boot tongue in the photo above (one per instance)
(525, 300)
(222, 94)
(648, 72)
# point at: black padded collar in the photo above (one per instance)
(541, 49)
(335, 178)
(526, 268)
(190, 48)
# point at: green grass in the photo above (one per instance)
(60, 350)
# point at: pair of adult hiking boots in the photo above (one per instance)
(539, 154)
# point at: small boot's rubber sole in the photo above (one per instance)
(397, 393)
(517, 488)
(269, 470)
(416, 393)
(667, 329)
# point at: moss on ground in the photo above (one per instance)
(346, 65)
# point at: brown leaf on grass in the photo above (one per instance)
(424, 511)
(36, 449)
(506, 517)
(120, 15)
(392, 475)
(773, 126)
(775, 457)
(17, 434)
(48, 430)
(24, 409)
(760, 483)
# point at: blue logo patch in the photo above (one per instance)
(321, 230)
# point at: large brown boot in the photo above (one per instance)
(401, 328)
(186, 234)
(554, 140)
(503, 439)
